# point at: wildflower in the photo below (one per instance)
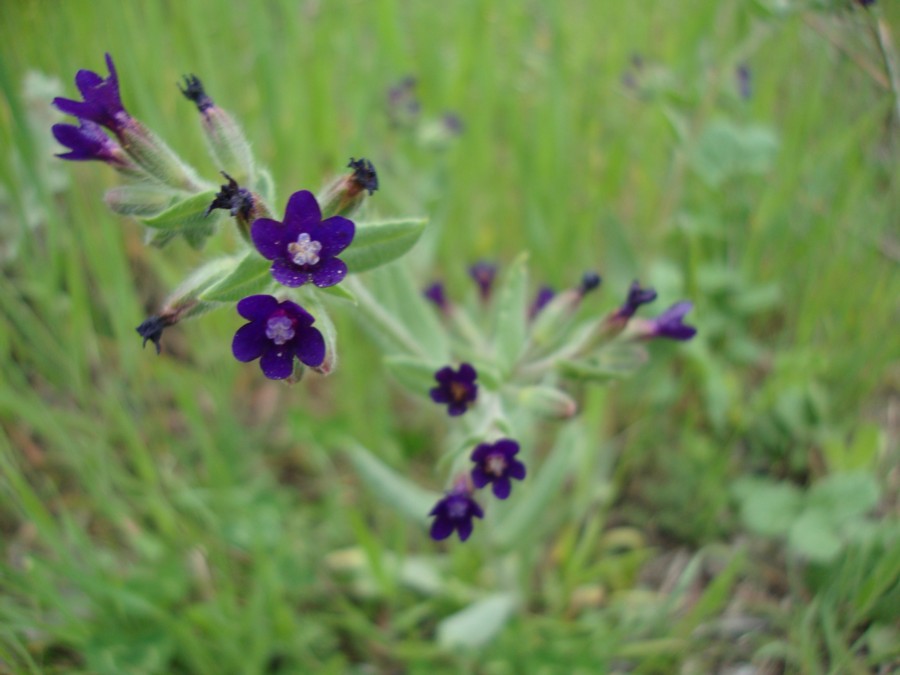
(544, 295)
(233, 198)
(102, 104)
(435, 293)
(636, 297)
(151, 329)
(277, 332)
(495, 463)
(304, 247)
(87, 141)
(455, 511)
(484, 274)
(346, 194)
(455, 388)
(668, 324)
(590, 281)
(744, 81)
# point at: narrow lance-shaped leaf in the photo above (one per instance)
(185, 214)
(378, 243)
(512, 314)
(250, 275)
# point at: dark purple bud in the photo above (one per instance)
(193, 91)
(304, 247)
(277, 333)
(589, 281)
(453, 123)
(455, 511)
(484, 274)
(435, 293)
(364, 176)
(151, 329)
(544, 295)
(637, 296)
(102, 103)
(496, 463)
(346, 194)
(233, 198)
(456, 388)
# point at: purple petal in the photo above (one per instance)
(480, 452)
(502, 488)
(456, 409)
(439, 395)
(467, 372)
(270, 237)
(300, 315)
(475, 509)
(75, 108)
(277, 363)
(441, 528)
(335, 234)
(87, 81)
(310, 346)
(516, 469)
(507, 447)
(329, 272)
(464, 528)
(479, 477)
(257, 307)
(249, 342)
(445, 375)
(302, 211)
(288, 274)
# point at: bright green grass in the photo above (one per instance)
(181, 514)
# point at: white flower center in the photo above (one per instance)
(279, 329)
(457, 508)
(496, 465)
(304, 251)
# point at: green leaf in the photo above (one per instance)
(844, 496)
(249, 276)
(139, 200)
(340, 292)
(404, 496)
(613, 363)
(725, 150)
(417, 375)
(185, 214)
(768, 508)
(477, 624)
(378, 243)
(512, 318)
(813, 535)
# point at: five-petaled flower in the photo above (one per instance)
(102, 104)
(455, 511)
(669, 324)
(304, 247)
(456, 388)
(277, 332)
(496, 463)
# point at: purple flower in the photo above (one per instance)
(483, 273)
(544, 295)
(101, 103)
(669, 324)
(277, 332)
(637, 296)
(87, 141)
(744, 81)
(303, 248)
(455, 388)
(455, 512)
(435, 293)
(496, 463)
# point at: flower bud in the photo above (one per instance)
(346, 194)
(156, 158)
(225, 140)
(243, 205)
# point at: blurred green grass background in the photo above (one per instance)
(178, 514)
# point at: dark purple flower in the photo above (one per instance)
(637, 296)
(455, 512)
(102, 104)
(669, 324)
(496, 463)
(544, 295)
(483, 273)
(86, 142)
(193, 91)
(744, 81)
(590, 281)
(436, 294)
(277, 332)
(304, 247)
(455, 388)
(238, 201)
